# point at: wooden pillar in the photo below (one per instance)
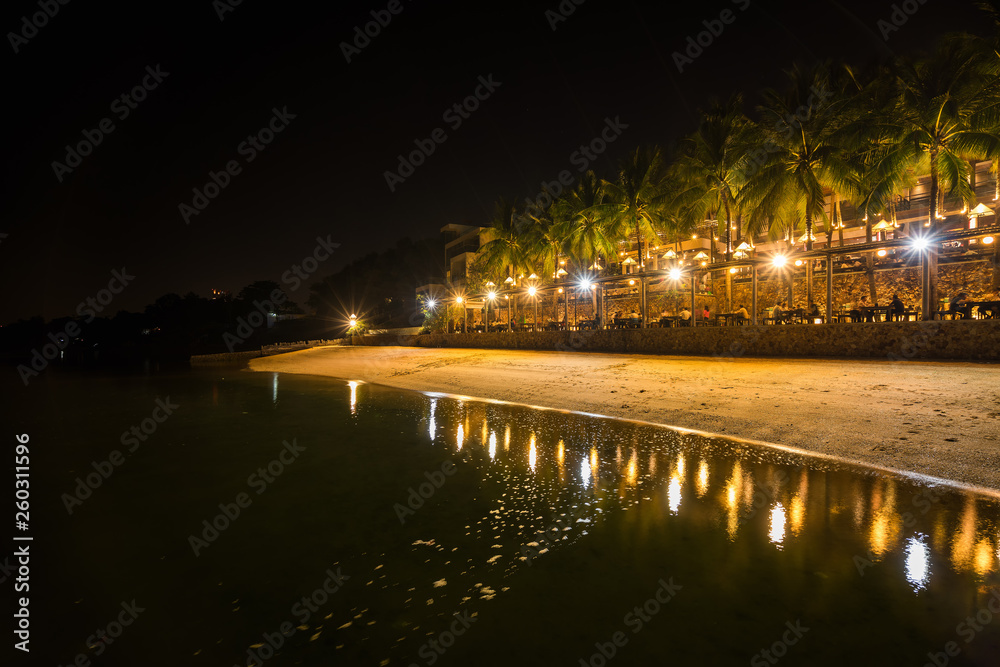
(643, 301)
(694, 322)
(829, 288)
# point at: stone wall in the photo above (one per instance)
(972, 340)
(972, 277)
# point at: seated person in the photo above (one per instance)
(813, 310)
(782, 313)
(959, 305)
(865, 309)
(742, 313)
(992, 309)
(685, 315)
(705, 313)
(896, 307)
(778, 313)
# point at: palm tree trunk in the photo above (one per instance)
(840, 226)
(870, 264)
(931, 254)
(809, 247)
(729, 230)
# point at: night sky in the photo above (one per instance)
(323, 174)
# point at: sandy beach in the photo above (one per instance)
(933, 418)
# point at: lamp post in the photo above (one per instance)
(489, 302)
(532, 293)
(465, 314)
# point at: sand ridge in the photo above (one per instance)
(932, 418)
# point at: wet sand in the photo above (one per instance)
(932, 418)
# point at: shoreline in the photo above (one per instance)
(936, 419)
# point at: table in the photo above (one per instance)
(906, 315)
(988, 310)
(730, 317)
(872, 313)
(669, 321)
(627, 322)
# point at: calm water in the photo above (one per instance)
(549, 533)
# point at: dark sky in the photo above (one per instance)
(323, 174)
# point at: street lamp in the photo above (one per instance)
(491, 296)
(532, 291)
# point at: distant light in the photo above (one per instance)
(585, 284)
(507, 296)
(732, 270)
(675, 274)
(560, 290)
(492, 295)
(631, 282)
(881, 253)
(353, 316)
(694, 236)
(798, 262)
(431, 303)
(920, 243)
(779, 260)
(531, 291)
(458, 300)
(988, 240)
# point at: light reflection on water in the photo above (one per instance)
(550, 538)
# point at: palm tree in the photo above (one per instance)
(800, 127)
(505, 250)
(545, 240)
(633, 203)
(587, 235)
(945, 112)
(712, 165)
(587, 238)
